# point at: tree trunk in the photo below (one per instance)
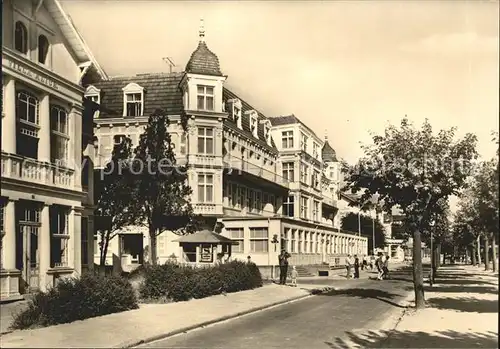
(152, 245)
(486, 254)
(473, 254)
(479, 250)
(494, 252)
(418, 280)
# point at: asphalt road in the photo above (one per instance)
(316, 322)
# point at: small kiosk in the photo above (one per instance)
(205, 247)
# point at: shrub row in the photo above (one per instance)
(181, 283)
(77, 299)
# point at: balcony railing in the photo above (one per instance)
(207, 209)
(329, 200)
(238, 164)
(34, 171)
(204, 160)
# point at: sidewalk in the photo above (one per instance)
(151, 321)
(462, 311)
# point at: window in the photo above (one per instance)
(316, 211)
(205, 188)
(241, 197)
(234, 195)
(133, 104)
(21, 38)
(85, 240)
(59, 236)
(86, 173)
(292, 242)
(43, 49)
(93, 94)
(259, 240)
(303, 142)
(237, 235)
(258, 201)
(205, 98)
(315, 150)
(287, 139)
(118, 139)
(27, 125)
(267, 133)
(303, 173)
(59, 137)
(250, 199)
(289, 206)
(236, 111)
(205, 140)
(303, 207)
(300, 249)
(315, 179)
(288, 171)
(253, 124)
(311, 244)
(182, 145)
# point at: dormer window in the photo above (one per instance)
(253, 123)
(236, 112)
(21, 38)
(43, 49)
(205, 95)
(267, 131)
(133, 100)
(94, 94)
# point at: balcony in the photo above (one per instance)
(33, 171)
(329, 201)
(207, 209)
(254, 173)
(204, 160)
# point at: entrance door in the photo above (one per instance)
(31, 256)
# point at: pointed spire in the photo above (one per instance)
(202, 31)
(326, 135)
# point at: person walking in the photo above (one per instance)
(283, 263)
(379, 264)
(348, 266)
(385, 268)
(356, 267)
(294, 275)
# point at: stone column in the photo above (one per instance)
(9, 239)
(9, 116)
(44, 241)
(75, 240)
(44, 132)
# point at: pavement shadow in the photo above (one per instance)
(460, 289)
(457, 281)
(465, 304)
(410, 339)
(372, 293)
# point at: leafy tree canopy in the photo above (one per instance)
(350, 223)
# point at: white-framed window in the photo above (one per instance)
(315, 180)
(183, 143)
(254, 128)
(315, 150)
(205, 97)
(267, 133)
(300, 238)
(303, 142)
(59, 234)
(236, 112)
(293, 240)
(21, 36)
(316, 211)
(303, 173)
(133, 100)
(287, 139)
(28, 124)
(43, 49)
(259, 240)
(304, 209)
(59, 134)
(237, 235)
(288, 171)
(206, 140)
(93, 94)
(289, 206)
(205, 188)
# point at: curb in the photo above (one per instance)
(135, 343)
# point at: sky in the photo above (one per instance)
(345, 68)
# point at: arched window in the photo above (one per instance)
(27, 125)
(21, 37)
(43, 49)
(27, 107)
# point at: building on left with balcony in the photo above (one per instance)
(47, 148)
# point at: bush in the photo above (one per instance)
(181, 283)
(77, 299)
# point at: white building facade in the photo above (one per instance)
(46, 201)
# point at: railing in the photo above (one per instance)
(34, 171)
(207, 208)
(205, 160)
(238, 164)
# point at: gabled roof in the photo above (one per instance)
(203, 61)
(328, 153)
(289, 120)
(161, 91)
(73, 37)
(206, 237)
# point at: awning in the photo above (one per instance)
(206, 237)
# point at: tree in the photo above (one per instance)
(350, 223)
(413, 169)
(113, 196)
(161, 194)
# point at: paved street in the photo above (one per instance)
(312, 323)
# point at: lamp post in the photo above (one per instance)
(431, 274)
(374, 201)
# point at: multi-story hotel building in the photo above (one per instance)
(272, 182)
(46, 198)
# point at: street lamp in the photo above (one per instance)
(431, 275)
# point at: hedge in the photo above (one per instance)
(77, 299)
(173, 282)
